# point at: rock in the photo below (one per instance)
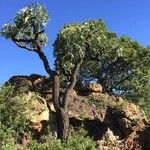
(112, 122)
(110, 136)
(93, 88)
(129, 116)
(24, 141)
(38, 109)
(119, 99)
(138, 138)
(34, 82)
(109, 141)
(20, 83)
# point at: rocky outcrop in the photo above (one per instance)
(128, 117)
(114, 123)
(36, 89)
(90, 88)
(34, 82)
(109, 141)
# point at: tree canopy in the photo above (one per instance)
(122, 73)
(28, 27)
(89, 41)
(119, 64)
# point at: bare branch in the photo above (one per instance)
(38, 50)
(24, 47)
(45, 61)
(23, 40)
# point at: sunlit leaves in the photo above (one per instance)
(83, 40)
(28, 22)
(9, 30)
(122, 69)
(43, 39)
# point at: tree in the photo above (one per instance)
(144, 100)
(121, 73)
(74, 45)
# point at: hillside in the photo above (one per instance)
(109, 121)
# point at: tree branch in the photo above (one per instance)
(23, 40)
(40, 32)
(55, 96)
(28, 40)
(121, 81)
(45, 61)
(71, 84)
(24, 47)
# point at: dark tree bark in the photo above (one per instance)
(61, 106)
(63, 124)
(63, 113)
(55, 96)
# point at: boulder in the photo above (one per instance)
(109, 141)
(38, 110)
(129, 116)
(90, 88)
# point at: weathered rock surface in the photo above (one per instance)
(91, 88)
(114, 123)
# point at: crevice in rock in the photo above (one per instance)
(112, 122)
(95, 128)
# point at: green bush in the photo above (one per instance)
(76, 141)
(13, 122)
(145, 105)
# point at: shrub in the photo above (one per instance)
(145, 105)
(13, 122)
(76, 141)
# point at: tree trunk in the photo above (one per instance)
(63, 124)
(55, 97)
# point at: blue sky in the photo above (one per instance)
(125, 17)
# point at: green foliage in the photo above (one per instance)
(76, 141)
(102, 101)
(13, 124)
(13, 121)
(144, 100)
(122, 73)
(76, 41)
(119, 64)
(7, 141)
(28, 22)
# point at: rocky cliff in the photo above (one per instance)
(112, 122)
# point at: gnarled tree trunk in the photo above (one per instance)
(62, 113)
(63, 124)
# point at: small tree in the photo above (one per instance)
(75, 44)
(121, 73)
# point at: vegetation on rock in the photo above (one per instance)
(83, 52)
